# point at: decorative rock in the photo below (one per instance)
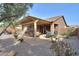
(60, 39)
(54, 39)
(12, 53)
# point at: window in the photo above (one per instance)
(55, 26)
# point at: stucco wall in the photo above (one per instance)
(62, 28)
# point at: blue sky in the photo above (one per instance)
(46, 10)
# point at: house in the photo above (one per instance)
(36, 26)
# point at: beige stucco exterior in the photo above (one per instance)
(62, 27)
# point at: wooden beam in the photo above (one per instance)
(28, 23)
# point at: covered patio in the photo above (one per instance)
(36, 26)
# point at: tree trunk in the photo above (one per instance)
(20, 36)
(5, 28)
(13, 28)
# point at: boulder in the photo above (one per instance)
(11, 53)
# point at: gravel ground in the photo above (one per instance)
(74, 43)
(30, 46)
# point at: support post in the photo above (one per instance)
(58, 29)
(35, 28)
(52, 28)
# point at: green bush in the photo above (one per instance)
(49, 34)
(70, 32)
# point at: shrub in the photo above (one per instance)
(49, 34)
(70, 32)
(62, 49)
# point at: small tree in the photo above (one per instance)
(10, 12)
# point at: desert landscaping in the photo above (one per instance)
(24, 34)
(32, 46)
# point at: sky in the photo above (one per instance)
(46, 10)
